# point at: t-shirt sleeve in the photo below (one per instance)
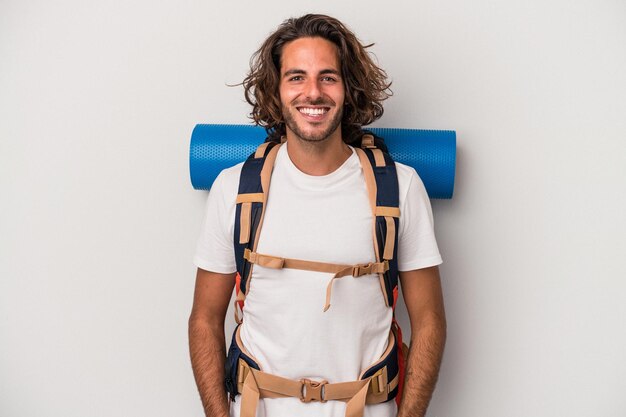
(214, 248)
(417, 245)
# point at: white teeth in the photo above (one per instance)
(312, 112)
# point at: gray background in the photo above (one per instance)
(98, 219)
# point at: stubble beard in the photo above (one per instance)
(290, 122)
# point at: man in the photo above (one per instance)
(314, 85)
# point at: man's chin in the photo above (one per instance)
(312, 136)
(311, 132)
(315, 136)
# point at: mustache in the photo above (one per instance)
(318, 102)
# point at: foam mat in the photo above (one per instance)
(431, 152)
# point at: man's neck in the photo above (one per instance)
(318, 158)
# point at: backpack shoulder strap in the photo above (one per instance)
(381, 179)
(254, 184)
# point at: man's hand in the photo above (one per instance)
(422, 294)
(206, 339)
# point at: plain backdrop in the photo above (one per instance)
(99, 221)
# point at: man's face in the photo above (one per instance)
(311, 89)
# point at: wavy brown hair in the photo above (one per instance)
(365, 83)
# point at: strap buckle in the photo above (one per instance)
(312, 391)
(360, 270)
(367, 142)
(242, 371)
(377, 382)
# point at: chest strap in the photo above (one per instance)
(339, 270)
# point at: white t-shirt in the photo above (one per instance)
(318, 218)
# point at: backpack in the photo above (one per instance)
(382, 381)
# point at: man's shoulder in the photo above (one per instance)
(406, 173)
(228, 178)
(409, 181)
(404, 170)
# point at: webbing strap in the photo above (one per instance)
(260, 150)
(258, 384)
(390, 238)
(250, 205)
(387, 211)
(370, 183)
(244, 223)
(382, 187)
(250, 395)
(367, 141)
(339, 270)
(379, 157)
(370, 180)
(246, 201)
(251, 200)
(356, 406)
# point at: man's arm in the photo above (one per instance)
(206, 339)
(423, 297)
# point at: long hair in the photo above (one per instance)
(365, 83)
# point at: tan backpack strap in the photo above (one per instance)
(389, 213)
(367, 141)
(254, 384)
(266, 176)
(260, 150)
(370, 184)
(245, 218)
(247, 204)
(246, 200)
(249, 396)
(356, 271)
(339, 270)
(378, 157)
(356, 406)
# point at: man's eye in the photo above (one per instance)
(329, 79)
(296, 78)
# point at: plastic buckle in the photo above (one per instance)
(377, 382)
(360, 270)
(312, 391)
(242, 371)
(367, 142)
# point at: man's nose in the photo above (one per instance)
(313, 90)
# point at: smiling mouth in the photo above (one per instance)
(313, 111)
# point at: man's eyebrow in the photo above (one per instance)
(294, 71)
(298, 71)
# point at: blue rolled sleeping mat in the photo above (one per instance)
(431, 152)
